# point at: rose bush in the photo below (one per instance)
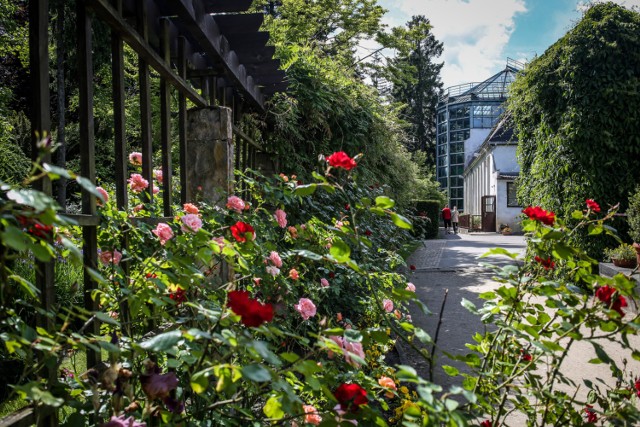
(198, 326)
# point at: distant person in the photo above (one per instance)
(446, 216)
(455, 217)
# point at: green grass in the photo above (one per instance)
(10, 406)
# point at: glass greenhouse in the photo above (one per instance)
(465, 115)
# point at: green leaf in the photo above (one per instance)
(162, 342)
(401, 221)
(273, 408)
(37, 200)
(353, 335)
(577, 215)
(307, 254)
(32, 391)
(199, 381)
(257, 373)
(104, 317)
(56, 172)
(26, 285)
(383, 202)
(595, 229)
(14, 238)
(469, 305)
(423, 336)
(450, 370)
(305, 190)
(88, 186)
(340, 250)
(499, 251)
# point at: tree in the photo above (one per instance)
(335, 26)
(575, 110)
(415, 80)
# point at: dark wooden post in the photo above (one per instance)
(165, 120)
(87, 163)
(185, 194)
(41, 127)
(145, 101)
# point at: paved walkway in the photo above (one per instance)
(450, 264)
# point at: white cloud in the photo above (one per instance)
(474, 33)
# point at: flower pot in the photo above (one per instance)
(624, 263)
(636, 246)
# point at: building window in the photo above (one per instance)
(512, 201)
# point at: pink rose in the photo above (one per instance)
(104, 194)
(274, 271)
(306, 308)
(324, 283)
(155, 190)
(135, 158)
(158, 174)
(281, 218)
(388, 305)
(235, 203)
(311, 416)
(293, 273)
(107, 257)
(220, 242)
(191, 223)
(410, 287)
(353, 348)
(137, 183)
(191, 208)
(274, 257)
(339, 224)
(138, 208)
(164, 232)
(339, 342)
(257, 280)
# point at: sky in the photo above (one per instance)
(479, 35)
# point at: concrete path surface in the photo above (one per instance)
(451, 263)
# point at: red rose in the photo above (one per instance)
(591, 415)
(637, 386)
(251, 311)
(347, 207)
(536, 213)
(351, 396)
(525, 356)
(592, 205)
(548, 264)
(368, 233)
(412, 267)
(178, 296)
(332, 274)
(608, 296)
(340, 159)
(486, 423)
(240, 230)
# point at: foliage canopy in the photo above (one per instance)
(575, 111)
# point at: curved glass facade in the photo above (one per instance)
(464, 109)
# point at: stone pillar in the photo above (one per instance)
(210, 154)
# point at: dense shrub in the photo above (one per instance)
(576, 115)
(431, 210)
(633, 215)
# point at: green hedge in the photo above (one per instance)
(430, 208)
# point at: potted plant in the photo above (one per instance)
(633, 218)
(505, 229)
(622, 256)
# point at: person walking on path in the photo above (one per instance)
(455, 217)
(446, 216)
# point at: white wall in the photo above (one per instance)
(476, 138)
(504, 214)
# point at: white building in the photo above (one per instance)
(489, 180)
